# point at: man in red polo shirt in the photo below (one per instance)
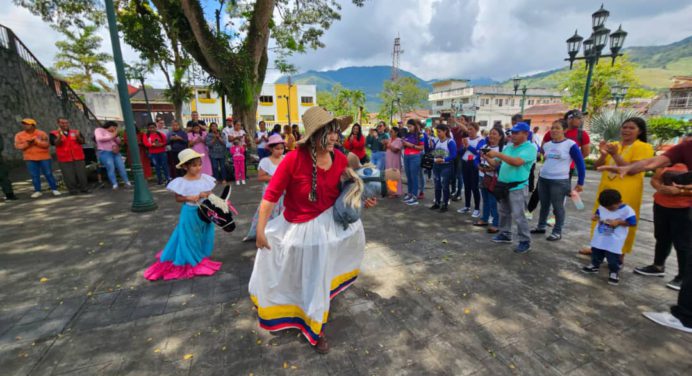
(574, 120)
(68, 147)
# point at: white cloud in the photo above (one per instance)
(441, 38)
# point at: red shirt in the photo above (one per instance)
(294, 177)
(681, 153)
(572, 135)
(356, 146)
(458, 136)
(149, 138)
(69, 149)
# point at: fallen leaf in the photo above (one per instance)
(43, 280)
(149, 339)
(467, 311)
(157, 350)
(294, 367)
(259, 341)
(285, 365)
(223, 348)
(444, 241)
(187, 356)
(511, 366)
(100, 243)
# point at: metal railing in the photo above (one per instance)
(9, 41)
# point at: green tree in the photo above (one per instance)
(341, 101)
(401, 96)
(238, 58)
(604, 75)
(78, 56)
(159, 45)
(665, 129)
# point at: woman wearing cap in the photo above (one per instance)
(187, 252)
(265, 171)
(304, 258)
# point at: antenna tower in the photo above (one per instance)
(396, 54)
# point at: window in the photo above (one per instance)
(498, 102)
(485, 101)
(440, 103)
(306, 100)
(680, 100)
(266, 99)
(530, 102)
(267, 117)
(483, 123)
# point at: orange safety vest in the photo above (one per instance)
(69, 150)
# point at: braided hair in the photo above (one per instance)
(321, 138)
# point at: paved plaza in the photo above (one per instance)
(435, 297)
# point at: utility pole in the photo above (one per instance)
(288, 99)
(142, 201)
(396, 55)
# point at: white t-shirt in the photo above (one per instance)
(557, 159)
(611, 238)
(233, 133)
(267, 166)
(473, 142)
(185, 187)
(227, 132)
(263, 143)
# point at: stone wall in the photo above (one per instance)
(24, 94)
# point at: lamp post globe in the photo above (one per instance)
(599, 17)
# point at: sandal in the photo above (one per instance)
(480, 223)
(322, 346)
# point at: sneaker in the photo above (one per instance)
(237, 182)
(406, 197)
(36, 195)
(675, 283)
(412, 202)
(435, 206)
(553, 237)
(650, 271)
(242, 182)
(666, 319)
(464, 210)
(456, 198)
(443, 209)
(590, 269)
(56, 193)
(128, 185)
(613, 279)
(476, 214)
(501, 238)
(528, 215)
(537, 231)
(115, 186)
(523, 247)
(11, 197)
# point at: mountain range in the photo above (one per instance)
(655, 65)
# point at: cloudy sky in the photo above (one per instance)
(444, 38)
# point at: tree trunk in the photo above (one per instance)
(179, 113)
(248, 117)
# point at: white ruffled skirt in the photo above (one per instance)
(308, 264)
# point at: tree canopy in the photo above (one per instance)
(79, 58)
(401, 96)
(604, 77)
(343, 102)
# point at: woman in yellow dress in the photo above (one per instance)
(632, 147)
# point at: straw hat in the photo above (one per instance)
(317, 117)
(275, 139)
(187, 155)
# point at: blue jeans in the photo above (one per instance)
(552, 192)
(378, 159)
(489, 207)
(161, 165)
(113, 161)
(597, 256)
(36, 168)
(421, 180)
(442, 172)
(218, 168)
(412, 166)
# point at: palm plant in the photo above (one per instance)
(606, 124)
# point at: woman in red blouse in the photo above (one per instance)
(355, 143)
(304, 259)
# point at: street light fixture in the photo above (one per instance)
(516, 81)
(618, 92)
(594, 46)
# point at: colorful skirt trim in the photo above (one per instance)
(291, 316)
(166, 270)
(308, 265)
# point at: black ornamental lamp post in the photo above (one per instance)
(594, 46)
(516, 81)
(618, 92)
